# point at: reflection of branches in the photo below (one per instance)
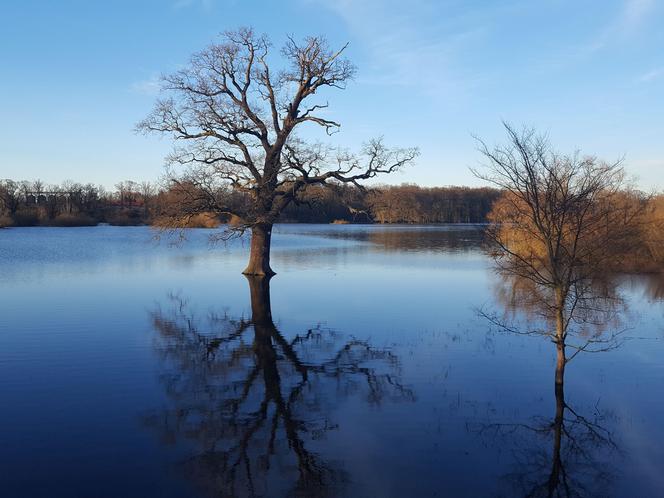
(587, 321)
(652, 284)
(254, 401)
(413, 239)
(592, 315)
(559, 457)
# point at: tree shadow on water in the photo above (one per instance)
(570, 455)
(574, 453)
(254, 404)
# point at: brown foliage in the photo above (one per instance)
(414, 204)
(651, 236)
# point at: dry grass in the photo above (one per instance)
(6, 221)
(200, 220)
(73, 220)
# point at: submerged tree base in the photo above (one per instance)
(251, 272)
(259, 258)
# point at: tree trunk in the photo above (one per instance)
(560, 338)
(259, 257)
(557, 463)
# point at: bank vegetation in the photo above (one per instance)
(34, 203)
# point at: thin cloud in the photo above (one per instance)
(184, 4)
(651, 75)
(628, 22)
(149, 87)
(634, 14)
(408, 46)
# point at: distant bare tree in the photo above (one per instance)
(127, 192)
(148, 192)
(562, 223)
(236, 114)
(10, 196)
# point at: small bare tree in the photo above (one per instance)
(236, 116)
(562, 222)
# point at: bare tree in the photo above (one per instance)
(236, 115)
(127, 192)
(10, 196)
(148, 192)
(562, 223)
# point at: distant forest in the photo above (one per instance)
(32, 203)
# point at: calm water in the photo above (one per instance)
(131, 368)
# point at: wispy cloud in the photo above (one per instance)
(149, 87)
(412, 47)
(629, 21)
(651, 75)
(634, 13)
(205, 4)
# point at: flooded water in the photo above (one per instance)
(134, 368)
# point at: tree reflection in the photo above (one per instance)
(254, 403)
(651, 283)
(591, 321)
(567, 455)
(413, 238)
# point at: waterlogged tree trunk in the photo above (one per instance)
(560, 339)
(259, 257)
(557, 463)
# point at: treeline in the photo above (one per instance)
(34, 203)
(409, 204)
(25, 203)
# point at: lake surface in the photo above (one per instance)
(135, 368)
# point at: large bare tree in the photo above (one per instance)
(563, 223)
(234, 112)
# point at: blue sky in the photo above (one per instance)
(77, 75)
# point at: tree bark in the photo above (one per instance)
(259, 257)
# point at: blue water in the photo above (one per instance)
(125, 370)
